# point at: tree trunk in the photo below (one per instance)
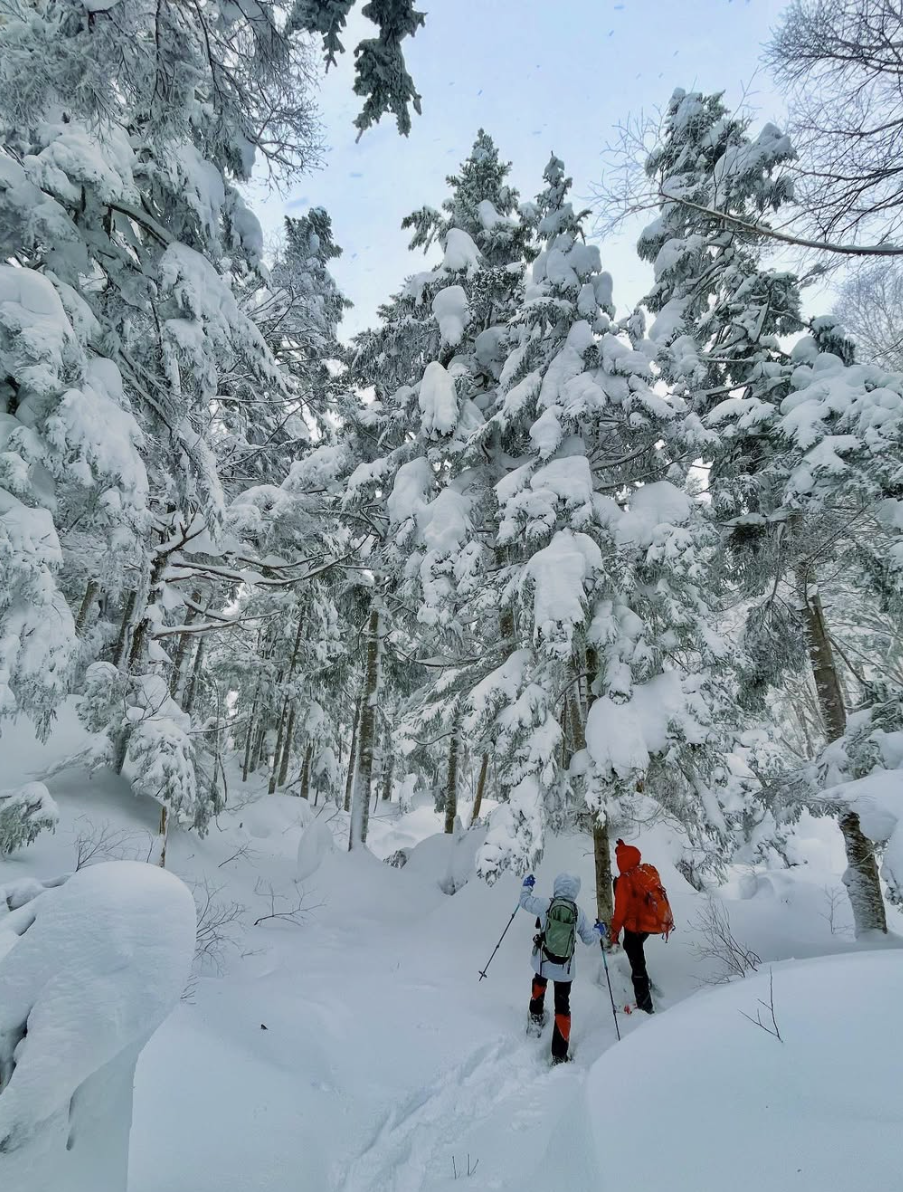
(287, 746)
(861, 878)
(122, 641)
(821, 656)
(277, 753)
(601, 843)
(259, 742)
(481, 787)
(249, 740)
(142, 628)
(194, 681)
(360, 803)
(175, 680)
(604, 890)
(305, 772)
(352, 757)
(287, 727)
(451, 784)
(87, 600)
(388, 770)
(164, 834)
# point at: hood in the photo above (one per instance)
(627, 856)
(566, 886)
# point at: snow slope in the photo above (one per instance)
(384, 1061)
(823, 1108)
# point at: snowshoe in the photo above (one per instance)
(536, 1024)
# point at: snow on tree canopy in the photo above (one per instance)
(413, 481)
(652, 506)
(88, 971)
(622, 737)
(37, 345)
(461, 254)
(561, 573)
(438, 401)
(452, 314)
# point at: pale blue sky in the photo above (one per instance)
(538, 75)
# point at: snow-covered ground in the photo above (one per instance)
(351, 1047)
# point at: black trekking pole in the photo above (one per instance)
(614, 1012)
(499, 944)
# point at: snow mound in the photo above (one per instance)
(822, 1109)
(88, 972)
(316, 841)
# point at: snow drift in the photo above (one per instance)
(701, 1098)
(88, 971)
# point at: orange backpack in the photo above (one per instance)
(650, 900)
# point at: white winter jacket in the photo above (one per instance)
(566, 886)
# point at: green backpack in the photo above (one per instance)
(560, 934)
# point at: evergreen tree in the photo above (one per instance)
(802, 446)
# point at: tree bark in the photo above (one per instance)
(175, 680)
(141, 630)
(451, 784)
(861, 878)
(287, 746)
(277, 752)
(360, 803)
(352, 757)
(605, 907)
(481, 787)
(87, 600)
(194, 681)
(249, 739)
(122, 641)
(287, 728)
(305, 772)
(164, 834)
(389, 769)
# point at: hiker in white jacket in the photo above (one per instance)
(559, 921)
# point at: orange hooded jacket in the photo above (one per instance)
(631, 911)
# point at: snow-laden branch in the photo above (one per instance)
(849, 250)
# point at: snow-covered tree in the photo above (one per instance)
(804, 447)
(604, 559)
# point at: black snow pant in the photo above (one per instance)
(562, 1032)
(633, 946)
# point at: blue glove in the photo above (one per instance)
(529, 881)
(600, 927)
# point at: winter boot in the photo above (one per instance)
(536, 1024)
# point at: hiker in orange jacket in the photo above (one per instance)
(638, 916)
